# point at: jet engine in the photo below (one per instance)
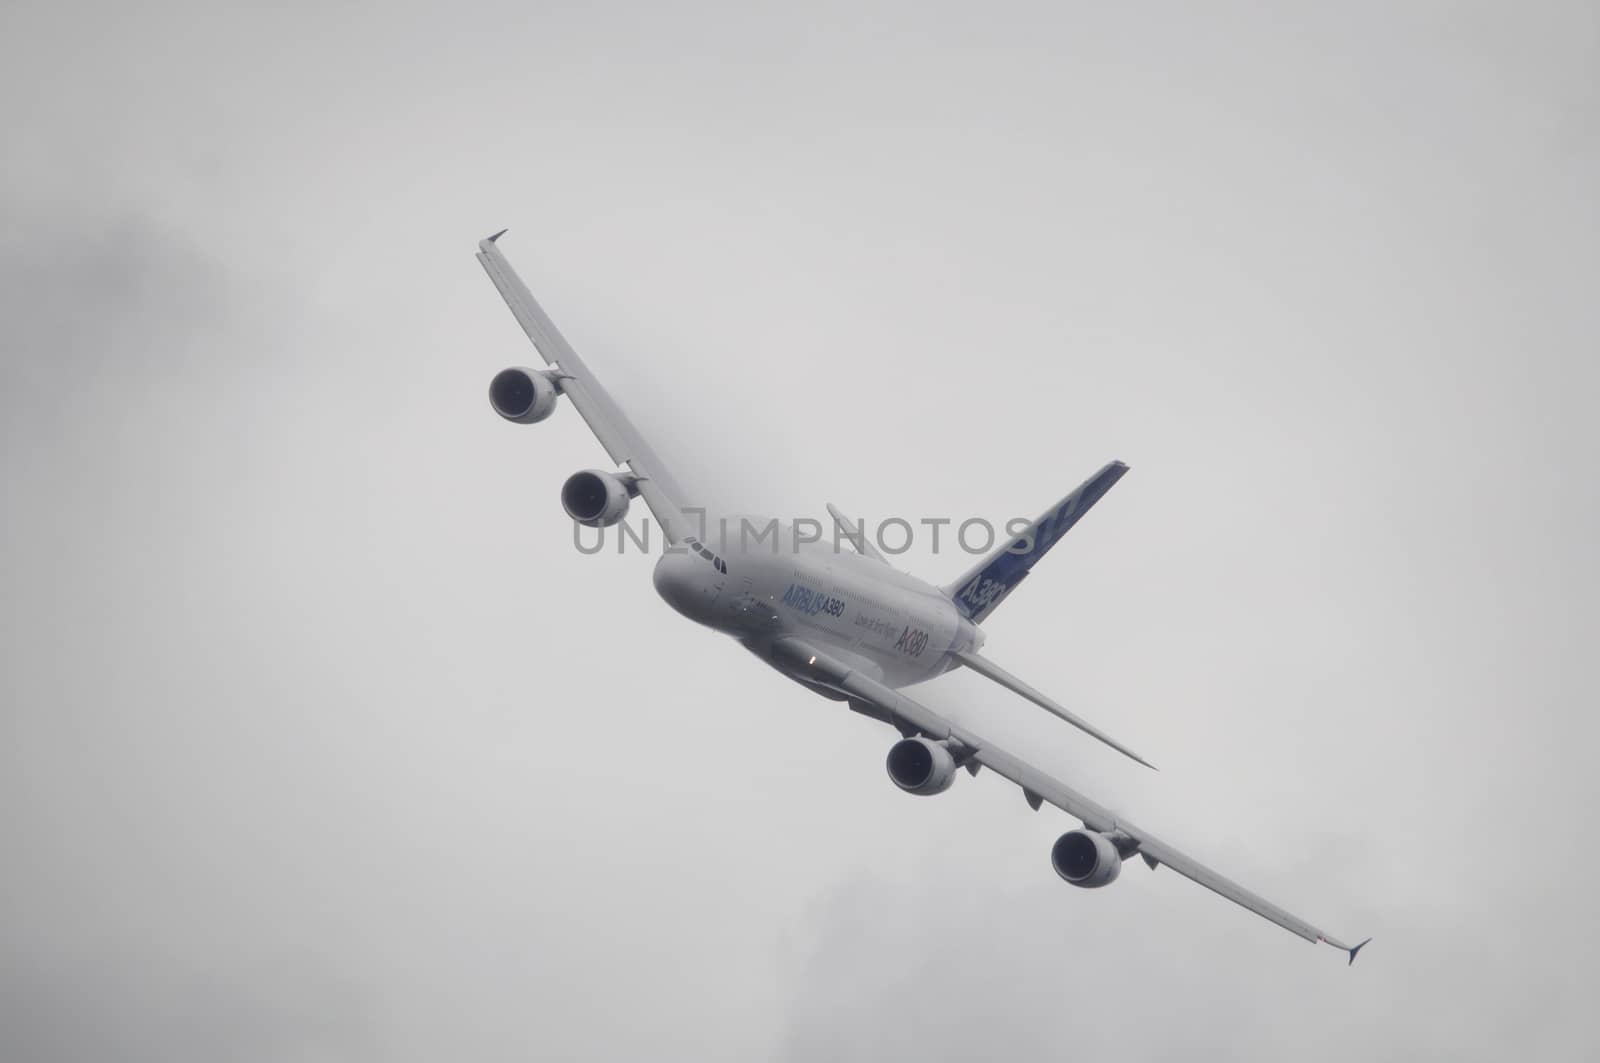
(596, 499)
(921, 767)
(1086, 858)
(522, 395)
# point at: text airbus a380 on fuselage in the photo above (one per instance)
(844, 622)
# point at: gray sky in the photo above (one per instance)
(321, 743)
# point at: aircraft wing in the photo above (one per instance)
(599, 410)
(804, 661)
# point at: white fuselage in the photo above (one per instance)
(894, 626)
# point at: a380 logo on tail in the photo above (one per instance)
(981, 592)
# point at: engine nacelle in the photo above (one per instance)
(596, 499)
(1086, 858)
(919, 766)
(522, 395)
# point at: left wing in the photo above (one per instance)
(806, 662)
(605, 418)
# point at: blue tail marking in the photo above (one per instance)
(978, 592)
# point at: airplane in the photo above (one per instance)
(845, 624)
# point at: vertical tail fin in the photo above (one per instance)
(986, 585)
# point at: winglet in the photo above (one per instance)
(1355, 950)
(498, 235)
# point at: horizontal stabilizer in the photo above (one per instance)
(987, 668)
(855, 533)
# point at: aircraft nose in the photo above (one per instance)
(676, 582)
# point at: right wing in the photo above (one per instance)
(804, 661)
(605, 418)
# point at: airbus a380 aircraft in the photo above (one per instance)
(844, 624)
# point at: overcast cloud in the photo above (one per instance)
(320, 741)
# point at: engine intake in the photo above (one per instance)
(919, 766)
(522, 396)
(1086, 858)
(596, 499)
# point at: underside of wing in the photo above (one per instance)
(814, 667)
(573, 379)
